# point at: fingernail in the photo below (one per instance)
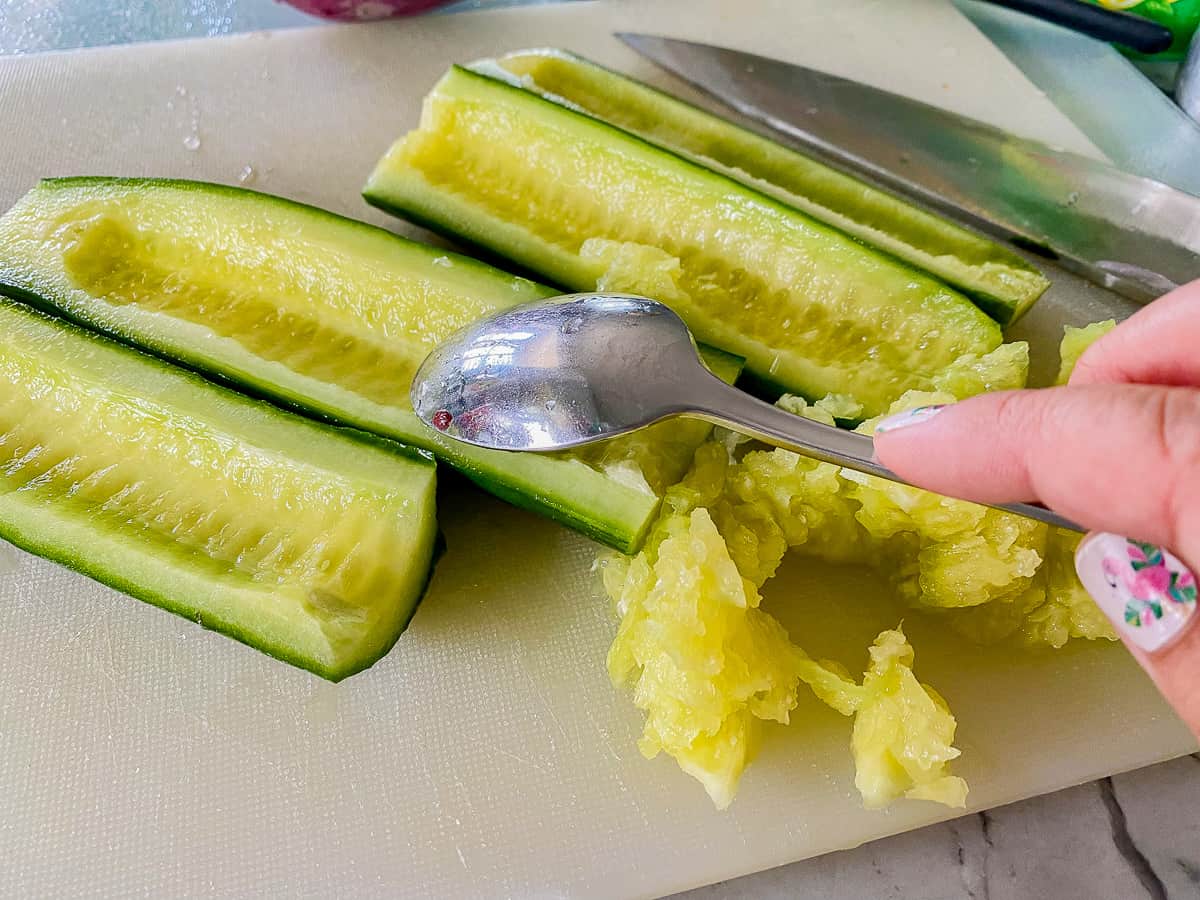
(1146, 591)
(909, 417)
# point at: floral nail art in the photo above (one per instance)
(1147, 592)
(1150, 581)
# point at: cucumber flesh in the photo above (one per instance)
(310, 544)
(325, 314)
(575, 199)
(999, 281)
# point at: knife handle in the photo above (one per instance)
(1108, 25)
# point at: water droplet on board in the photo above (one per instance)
(247, 176)
(571, 326)
(185, 110)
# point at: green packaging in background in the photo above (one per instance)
(1181, 16)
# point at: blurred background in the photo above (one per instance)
(1121, 101)
(29, 26)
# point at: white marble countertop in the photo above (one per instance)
(1131, 836)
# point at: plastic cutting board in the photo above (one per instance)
(488, 754)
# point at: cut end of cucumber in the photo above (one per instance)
(587, 204)
(1000, 282)
(309, 544)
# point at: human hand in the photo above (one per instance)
(1116, 450)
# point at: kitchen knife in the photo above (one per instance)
(1137, 237)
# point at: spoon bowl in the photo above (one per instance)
(556, 374)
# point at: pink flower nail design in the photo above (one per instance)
(1147, 592)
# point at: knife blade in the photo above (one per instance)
(1132, 235)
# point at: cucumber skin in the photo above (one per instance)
(112, 578)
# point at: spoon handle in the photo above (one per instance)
(717, 402)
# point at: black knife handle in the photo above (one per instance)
(1109, 25)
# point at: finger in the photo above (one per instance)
(1156, 345)
(1115, 458)
(1150, 597)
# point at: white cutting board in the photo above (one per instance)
(487, 755)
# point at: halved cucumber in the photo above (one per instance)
(326, 314)
(308, 543)
(585, 203)
(999, 281)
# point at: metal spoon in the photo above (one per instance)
(572, 370)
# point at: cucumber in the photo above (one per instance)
(585, 204)
(309, 543)
(321, 313)
(999, 281)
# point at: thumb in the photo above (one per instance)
(1123, 460)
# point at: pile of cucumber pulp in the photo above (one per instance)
(204, 400)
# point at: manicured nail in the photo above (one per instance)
(1149, 595)
(909, 417)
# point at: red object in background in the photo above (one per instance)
(363, 10)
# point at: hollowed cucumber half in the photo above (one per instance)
(307, 542)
